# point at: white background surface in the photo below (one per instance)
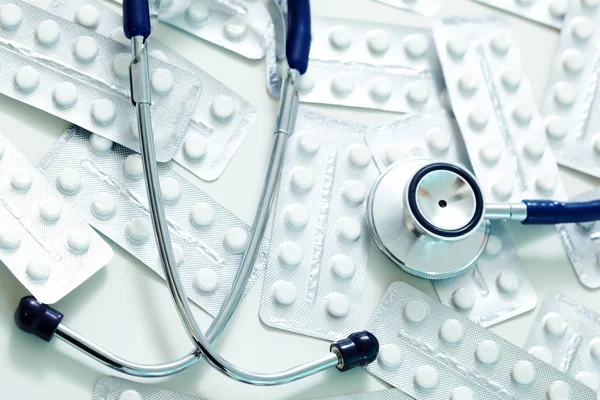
(126, 308)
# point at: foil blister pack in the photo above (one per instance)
(435, 136)
(571, 92)
(546, 12)
(109, 189)
(429, 351)
(495, 109)
(566, 335)
(427, 8)
(114, 388)
(43, 242)
(495, 289)
(221, 120)
(80, 76)
(319, 246)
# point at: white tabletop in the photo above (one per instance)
(126, 307)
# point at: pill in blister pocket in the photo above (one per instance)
(134, 130)
(534, 148)
(222, 107)
(543, 353)
(162, 81)
(556, 127)
(130, 394)
(490, 154)
(418, 93)
(558, 8)
(462, 393)
(546, 182)
(21, 179)
(343, 266)
(309, 142)
(390, 356)
(290, 253)
(78, 241)
(493, 246)
(340, 37)
(358, 155)
(235, 240)
(104, 206)
(38, 269)
(348, 229)
(590, 380)
(194, 148)
(378, 41)
(564, 93)
(342, 84)
(133, 167)
(415, 311)
(10, 237)
(503, 187)
(463, 298)
(100, 145)
(137, 231)
(508, 281)
(87, 16)
(452, 331)
(295, 216)
(457, 46)
(202, 215)
(69, 181)
(337, 304)
(500, 43)
(354, 191)
(573, 60)
(416, 45)
(479, 118)
(380, 88)
(27, 79)
(594, 348)
(590, 3)
(427, 377)
(65, 95)
(284, 292)
(50, 210)
(104, 112)
(468, 82)
(177, 254)
(512, 77)
(47, 33)
(438, 140)
(582, 28)
(555, 324)
(487, 352)
(302, 178)
(235, 28)
(206, 281)
(522, 113)
(559, 390)
(170, 189)
(197, 13)
(120, 65)
(10, 16)
(523, 372)
(86, 49)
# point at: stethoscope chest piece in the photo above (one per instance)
(428, 217)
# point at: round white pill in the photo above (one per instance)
(177, 254)
(235, 28)
(162, 81)
(555, 324)
(130, 394)
(47, 33)
(378, 41)
(206, 281)
(10, 237)
(546, 182)
(390, 356)
(558, 8)
(590, 3)
(500, 43)
(452, 331)
(380, 88)
(342, 84)
(438, 140)
(522, 113)
(523, 372)
(462, 393)
(358, 155)
(502, 188)
(340, 37)
(120, 65)
(594, 348)
(38, 269)
(159, 55)
(290, 254)
(511, 78)
(556, 127)
(463, 299)
(10, 16)
(86, 49)
(284, 292)
(487, 352)
(118, 35)
(170, 189)
(415, 311)
(564, 93)
(343, 266)
(468, 82)
(69, 181)
(202, 215)
(508, 281)
(104, 112)
(337, 305)
(133, 167)
(302, 178)
(490, 154)
(456, 46)
(416, 45)
(78, 240)
(590, 380)
(50, 210)
(309, 142)
(194, 148)
(295, 216)
(27, 79)
(235, 240)
(104, 206)
(306, 82)
(137, 231)
(479, 118)
(222, 107)
(134, 130)
(394, 152)
(418, 92)
(354, 192)
(99, 144)
(573, 61)
(348, 229)
(197, 13)
(493, 246)
(65, 94)
(534, 148)
(21, 179)
(582, 28)
(88, 16)
(542, 353)
(426, 377)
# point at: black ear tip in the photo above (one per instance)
(31, 316)
(358, 349)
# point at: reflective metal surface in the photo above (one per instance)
(420, 255)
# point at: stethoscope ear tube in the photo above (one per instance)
(549, 212)
(298, 35)
(136, 18)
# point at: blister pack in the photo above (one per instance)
(106, 182)
(221, 120)
(434, 136)
(389, 394)
(44, 243)
(320, 242)
(114, 388)
(495, 109)
(78, 75)
(571, 92)
(546, 12)
(427, 8)
(566, 334)
(495, 289)
(581, 244)
(432, 352)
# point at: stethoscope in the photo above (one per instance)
(431, 218)
(358, 349)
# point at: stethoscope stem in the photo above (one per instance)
(506, 212)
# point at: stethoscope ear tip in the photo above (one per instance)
(357, 350)
(39, 319)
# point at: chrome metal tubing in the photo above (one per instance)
(288, 104)
(505, 212)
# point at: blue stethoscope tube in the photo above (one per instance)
(548, 212)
